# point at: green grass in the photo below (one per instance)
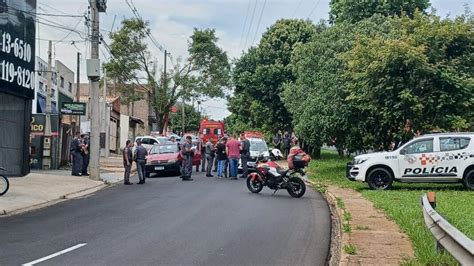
(346, 228)
(350, 249)
(402, 205)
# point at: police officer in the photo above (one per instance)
(127, 162)
(140, 159)
(210, 152)
(76, 148)
(85, 154)
(244, 155)
(187, 154)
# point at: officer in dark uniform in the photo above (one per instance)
(85, 154)
(140, 159)
(76, 148)
(187, 154)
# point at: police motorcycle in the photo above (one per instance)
(269, 173)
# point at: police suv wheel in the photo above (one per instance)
(468, 180)
(380, 179)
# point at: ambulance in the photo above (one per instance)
(433, 158)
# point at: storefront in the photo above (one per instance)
(17, 54)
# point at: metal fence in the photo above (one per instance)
(447, 236)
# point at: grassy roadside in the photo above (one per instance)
(402, 205)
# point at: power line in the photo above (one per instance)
(251, 22)
(259, 21)
(314, 8)
(245, 23)
(148, 33)
(297, 7)
(45, 14)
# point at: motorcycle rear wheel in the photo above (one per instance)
(299, 187)
(254, 186)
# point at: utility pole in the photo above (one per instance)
(78, 92)
(93, 72)
(166, 117)
(184, 115)
(47, 126)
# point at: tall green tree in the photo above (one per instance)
(352, 11)
(422, 73)
(206, 71)
(260, 73)
(191, 121)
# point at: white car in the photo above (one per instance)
(434, 158)
(258, 147)
(149, 141)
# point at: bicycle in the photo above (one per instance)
(4, 185)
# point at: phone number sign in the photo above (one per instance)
(17, 47)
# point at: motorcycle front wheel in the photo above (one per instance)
(254, 186)
(296, 187)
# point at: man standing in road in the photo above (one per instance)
(140, 159)
(210, 154)
(244, 155)
(203, 155)
(127, 162)
(187, 154)
(76, 148)
(233, 152)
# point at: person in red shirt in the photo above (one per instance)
(233, 153)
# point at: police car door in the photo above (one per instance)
(453, 156)
(415, 160)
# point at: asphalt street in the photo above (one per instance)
(207, 221)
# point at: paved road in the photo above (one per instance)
(167, 221)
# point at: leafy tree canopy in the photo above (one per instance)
(205, 72)
(352, 11)
(260, 73)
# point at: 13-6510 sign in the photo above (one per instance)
(17, 48)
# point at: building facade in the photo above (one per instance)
(17, 67)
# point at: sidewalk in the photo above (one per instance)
(375, 239)
(42, 188)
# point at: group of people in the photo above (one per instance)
(284, 142)
(222, 155)
(80, 154)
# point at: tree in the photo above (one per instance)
(260, 73)
(205, 72)
(352, 11)
(191, 121)
(317, 97)
(420, 76)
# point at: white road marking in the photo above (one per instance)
(55, 254)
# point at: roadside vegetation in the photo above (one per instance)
(402, 205)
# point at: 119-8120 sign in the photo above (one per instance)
(21, 50)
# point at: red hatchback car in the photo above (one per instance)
(163, 158)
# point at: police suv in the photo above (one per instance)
(434, 158)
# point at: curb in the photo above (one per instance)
(65, 197)
(335, 248)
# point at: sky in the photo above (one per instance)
(239, 25)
